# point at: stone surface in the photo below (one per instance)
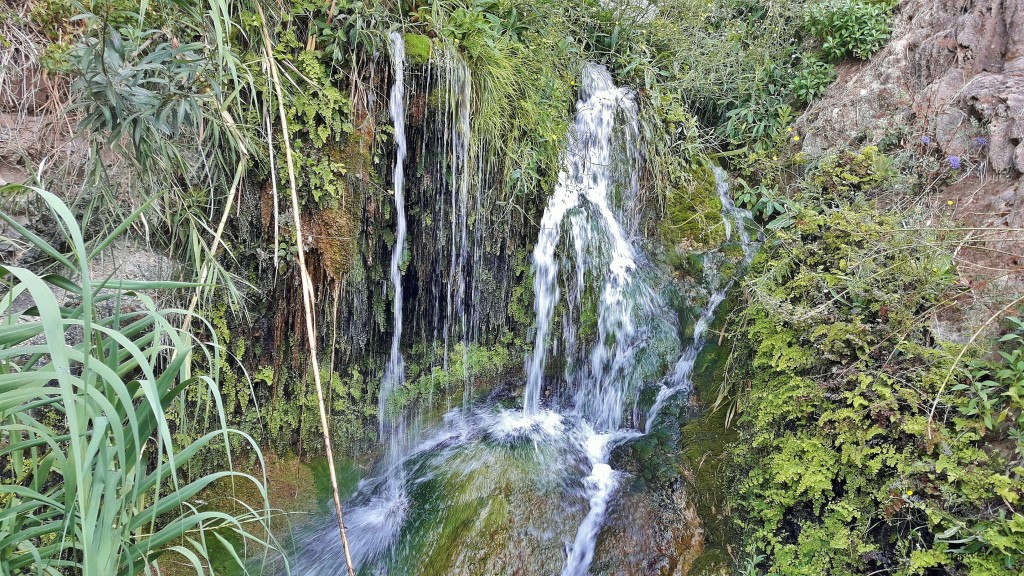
(649, 533)
(950, 81)
(953, 70)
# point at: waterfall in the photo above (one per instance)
(461, 88)
(584, 193)
(586, 173)
(394, 374)
(488, 457)
(680, 380)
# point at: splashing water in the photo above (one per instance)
(548, 465)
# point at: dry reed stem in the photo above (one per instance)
(307, 288)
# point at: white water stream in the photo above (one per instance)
(394, 374)
(680, 380)
(569, 423)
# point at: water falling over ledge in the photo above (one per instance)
(540, 475)
(394, 374)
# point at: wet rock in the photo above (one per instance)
(649, 532)
(492, 509)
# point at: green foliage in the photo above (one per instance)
(758, 120)
(149, 101)
(810, 79)
(856, 28)
(277, 405)
(841, 466)
(58, 18)
(468, 366)
(995, 394)
(767, 204)
(320, 120)
(525, 66)
(91, 469)
(353, 28)
(158, 94)
(847, 175)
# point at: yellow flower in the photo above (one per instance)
(910, 492)
(789, 129)
(796, 138)
(950, 202)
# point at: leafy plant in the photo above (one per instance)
(839, 467)
(757, 122)
(765, 203)
(846, 174)
(90, 470)
(811, 78)
(995, 393)
(849, 27)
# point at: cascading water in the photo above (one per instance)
(394, 374)
(680, 380)
(604, 387)
(458, 72)
(587, 174)
(535, 482)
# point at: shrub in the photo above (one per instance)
(811, 79)
(854, 456)
(846, 175)
(849, 27)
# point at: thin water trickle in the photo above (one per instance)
(680, 381)
(458, 281)
(394, 374)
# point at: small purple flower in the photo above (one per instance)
(981, 142)
(954, 162)
(926, 140)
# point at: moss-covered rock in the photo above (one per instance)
(706, 443)
(693, 216)
(487, 507)
(417, 48)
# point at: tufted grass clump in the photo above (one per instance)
(94, 479)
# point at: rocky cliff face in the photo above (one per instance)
(950, 82)
(953, 70)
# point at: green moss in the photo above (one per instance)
(480, 365)
(693, 219)
(347, 472)
(417, 48)
(706, 454)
